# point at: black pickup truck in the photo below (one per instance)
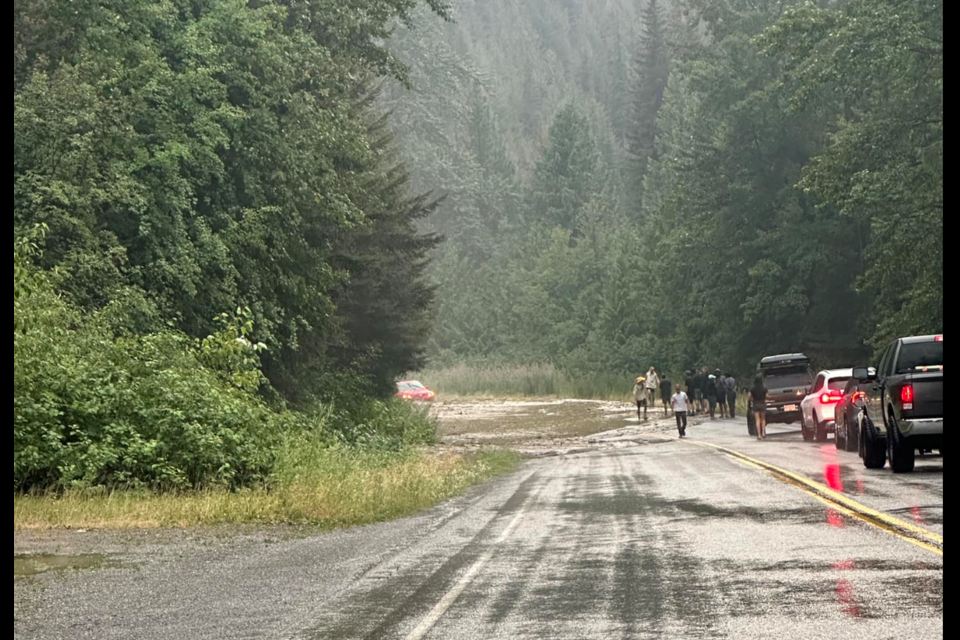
(903, 412)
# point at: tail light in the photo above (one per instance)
(939, 338)
(831, 398)
(907, 396)
(907, 393)
(859, 396)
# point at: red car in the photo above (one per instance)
(413, 391)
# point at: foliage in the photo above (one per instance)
(205, 155)
(315, 485)
(781, 188)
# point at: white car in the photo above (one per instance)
(818, 409)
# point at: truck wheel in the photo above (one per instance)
(903, 456)
(820, 430)
(874, 449)
(808, 434)
(842, 443)
(851, 441)
(752, 423)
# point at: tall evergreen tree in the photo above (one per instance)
(652, 74)
(570, 173)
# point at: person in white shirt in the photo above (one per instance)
(653, 386)
(681, 407)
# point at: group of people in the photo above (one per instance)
(711, 392)
(705, 394)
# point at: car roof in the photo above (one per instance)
(921, 339)
(837, 373)
(790, 358)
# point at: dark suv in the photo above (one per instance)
(788, 379)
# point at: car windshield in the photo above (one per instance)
(838, 384)
(784, 377)
(411, 386)
(920, 356)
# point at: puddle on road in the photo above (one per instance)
(26, 566)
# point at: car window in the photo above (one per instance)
(851, 387)
(798, 376)
(916, 357)
(839, 384)
(884, 362)
(818, 385)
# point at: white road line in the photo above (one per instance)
(454, 594)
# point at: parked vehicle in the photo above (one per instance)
(788, 379)
(847, 415)
(903, 411)
(818, 409)
(413, 391)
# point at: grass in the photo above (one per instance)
(528, 381)
(325, 487)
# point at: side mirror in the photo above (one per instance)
(864, 374)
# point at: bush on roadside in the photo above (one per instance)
(91, 409)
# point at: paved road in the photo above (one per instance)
(661, 540)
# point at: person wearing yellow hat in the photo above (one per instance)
(640, 393)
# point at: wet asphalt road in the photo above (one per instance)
(662, 540)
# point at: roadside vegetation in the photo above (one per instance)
(523, 381)
(218, 268)
(320, 486)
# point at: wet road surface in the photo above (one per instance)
(659, 540)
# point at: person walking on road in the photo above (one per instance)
(681, 408)
(721, 394)
(731, 384)
(710, 392)
(759, 395)
(666, 395)
(700, 384)
(653, 386)
(640, 393)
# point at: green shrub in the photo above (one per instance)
(92, 409)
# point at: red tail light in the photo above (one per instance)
(831, 398)
(907, 394)
(939, 338)
(859, 396)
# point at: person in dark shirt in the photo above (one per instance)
(721, 393)
(666, 394)
(759, 395)
(731, 384)
(699, 398)
(710, 393)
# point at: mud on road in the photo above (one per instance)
(547, 427)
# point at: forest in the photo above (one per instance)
(237, 223)
(679, 183)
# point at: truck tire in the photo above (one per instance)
(752, 423)
(851, 441)
(841, 443)
(874, 449)
(903, 455)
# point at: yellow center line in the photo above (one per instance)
(916, 535)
